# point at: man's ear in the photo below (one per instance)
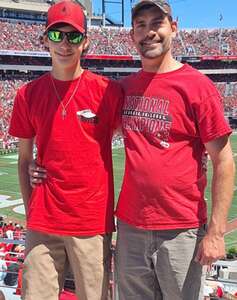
(131, 32)
(174, 27)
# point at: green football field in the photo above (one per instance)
(9, 188)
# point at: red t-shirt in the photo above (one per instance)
(78, 196)
(166, 120)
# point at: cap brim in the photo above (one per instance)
(69, 22)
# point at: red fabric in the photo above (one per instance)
(8, 247)
(19, 281)
(10, 227)
(77, 197)
(66, 295)
(66, 12)
(219, 292)
(166, 120)
(17, 234)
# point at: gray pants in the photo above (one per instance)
(158, 265)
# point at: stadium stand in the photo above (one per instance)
(8, 89)
(7, 94)
(116, 41)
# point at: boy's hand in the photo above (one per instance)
(37, 174)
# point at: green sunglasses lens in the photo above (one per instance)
(55, 36)
(72, 37)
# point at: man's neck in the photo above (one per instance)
(161, 64)
(66, 74)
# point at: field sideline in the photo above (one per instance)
(9, 188)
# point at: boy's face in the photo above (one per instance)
(65, 54)
(152, 33)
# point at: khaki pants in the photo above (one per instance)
(158, 265)
(47, 260)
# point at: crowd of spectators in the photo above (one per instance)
(116, 41)
(8, 89)
(108, 40)
(7, 93)
(229, 95)
(12, 259)
(13, 231)
(209, 42)
(11, 254)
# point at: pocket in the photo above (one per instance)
(197, 232)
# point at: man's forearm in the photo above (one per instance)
(222, 193)
(212, 247)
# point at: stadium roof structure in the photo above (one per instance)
(38, 6)
(24, 6)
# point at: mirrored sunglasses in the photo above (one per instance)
(73, 37)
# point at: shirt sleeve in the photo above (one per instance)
(210, 117)
(20, 124)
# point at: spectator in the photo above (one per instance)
(3, 266)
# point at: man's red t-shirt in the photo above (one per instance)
(167, 118)
(78, 196)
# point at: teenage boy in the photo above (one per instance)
(172, 114)
(70, 114)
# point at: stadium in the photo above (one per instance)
(23, 57)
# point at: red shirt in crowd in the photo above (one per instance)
(66, 295)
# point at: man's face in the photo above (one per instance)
(65, 54)
(152, 33)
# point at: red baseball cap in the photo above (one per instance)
(68, 12)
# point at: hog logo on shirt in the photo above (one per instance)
(150, 116)
(87, 116)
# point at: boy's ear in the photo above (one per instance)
(86, 44)
(44, 41)
(174, 27)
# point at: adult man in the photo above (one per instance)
(70, 113)
(171, 115)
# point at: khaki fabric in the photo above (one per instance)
(48, 258)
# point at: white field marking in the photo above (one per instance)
(19, 209)
(14, 156)
(8, 203)
(13, 163)
(3, 173)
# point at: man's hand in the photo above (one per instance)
(37, 174)
(210, 249)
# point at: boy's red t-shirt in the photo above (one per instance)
(77, 198)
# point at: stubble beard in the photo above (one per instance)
(159, 50)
